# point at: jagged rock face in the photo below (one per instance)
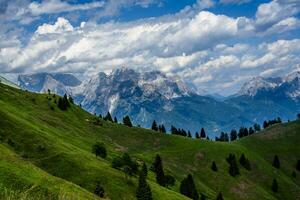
(286, 87)
(127, 91)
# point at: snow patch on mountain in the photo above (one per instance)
(290, 85)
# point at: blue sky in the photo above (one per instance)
(215, 45)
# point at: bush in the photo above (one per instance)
(99, 190)
(125, 161)
(99, 150)
(214, 166)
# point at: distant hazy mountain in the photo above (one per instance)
(153, 95)
(7, 82)
(265, 98)
(41, 82)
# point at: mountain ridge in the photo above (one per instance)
(148, 96)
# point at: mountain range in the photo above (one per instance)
(148, 96)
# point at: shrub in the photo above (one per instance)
(99, 150)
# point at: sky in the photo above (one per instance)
(215, 45)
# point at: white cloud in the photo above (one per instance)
(61, 25)
(58, 6)
(275, 11)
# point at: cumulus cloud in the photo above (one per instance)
(275, 11)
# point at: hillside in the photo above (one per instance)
(40, 142)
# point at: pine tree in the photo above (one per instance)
(298, 165)
(189, 134)
(202, 133)
(144, 169)
(265, 125)
(275, 186)
(256, 127)
(143, 191)
(116, 120)
(220, 196)
(108, 117)
(214, 166)
(188, 188)
(245, 162)
(158, 169)
(61, 104)
(197, 135)
(71, 100)
(276, 162)
(233, 166)
(163, 129)
(251, 131)
(233, 135)
(66, 101)
(127, 121)
(154, 126)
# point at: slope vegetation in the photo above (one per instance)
(48, 151)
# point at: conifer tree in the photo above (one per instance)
(265, 125)
(159, 171)
(256, 127)
(108, 117)
(66, 101)
(202, 133)
(220, 196)
(276, 162)
(298, 165)
(61, 104)
(233, 135)
(251, 131)
(144, 169)
(197, 135)
(245, 162)
(71, 100)
(189, 134)
(275, 186)
(143, 191)
(214, 166)
(154, 126)
(127, 121)
(163, 129)
(188, 188)
(233, 166)
(116, 120)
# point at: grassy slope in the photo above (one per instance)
(67, 137)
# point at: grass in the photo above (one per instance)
(38, 143)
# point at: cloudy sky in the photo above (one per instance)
(216, 45)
